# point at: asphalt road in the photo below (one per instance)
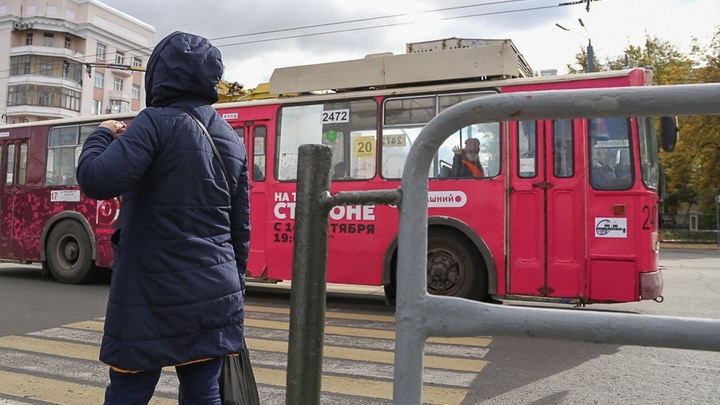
(538, 371)
(518, 370)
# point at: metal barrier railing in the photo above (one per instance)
(419, 315)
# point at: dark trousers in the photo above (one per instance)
(198, 385)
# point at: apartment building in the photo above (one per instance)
(55, 57)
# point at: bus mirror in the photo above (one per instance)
(669, 133)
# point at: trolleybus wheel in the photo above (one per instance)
(454, 268)
(69, 253)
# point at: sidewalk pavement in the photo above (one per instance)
(689, 246)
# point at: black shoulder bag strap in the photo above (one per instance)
(214, 149)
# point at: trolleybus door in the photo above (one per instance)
(546, 225)
(255, 135)
(257, 162)
(14, 178)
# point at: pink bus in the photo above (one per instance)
(566, 210)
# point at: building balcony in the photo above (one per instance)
(38, 111)
(118, 95)
(44, 80)
(46, 51)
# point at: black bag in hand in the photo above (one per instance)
(237, 381)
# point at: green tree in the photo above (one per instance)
(669, 65)
(700, 135)
(581, 58)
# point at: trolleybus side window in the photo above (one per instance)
(610, 163)
(648, 146)
(10, 168)
(22, 167)
(21, 164)
(64, 147)
(404, 118)
(563, 148)
(527, 149)
(349, 127)
(259, 137)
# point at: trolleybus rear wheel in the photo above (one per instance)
(69, 253)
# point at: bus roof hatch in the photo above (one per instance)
(446, 60)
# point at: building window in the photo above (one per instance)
(99, 80)
(28, 38)
(136, 91)
(50, 66)
(100, 51)
(46, 96)
(46, 68)
(119, 57)
(137, 62)
(96, 107)
(20, 65)
(118, 84)
(68, 43)
(48, 39)
(73, 72)
(15, 96)
(70, 100)
(119, 106)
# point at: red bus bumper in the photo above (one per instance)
(651, 285)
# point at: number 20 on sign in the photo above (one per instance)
(364, 146)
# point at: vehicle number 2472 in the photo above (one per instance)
(334, 116)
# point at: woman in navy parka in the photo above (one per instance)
(176, 297)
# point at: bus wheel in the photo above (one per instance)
(454, 267)
(69, 253)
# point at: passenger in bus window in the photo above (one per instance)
(602, 176)
(178, 281)
(623, 174)
(68, 180)
(466, 161)
(340, 171)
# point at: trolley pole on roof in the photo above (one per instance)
(589, 49)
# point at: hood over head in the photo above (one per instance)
(183, 67)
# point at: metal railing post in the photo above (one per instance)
(309, 275)
(309, 280)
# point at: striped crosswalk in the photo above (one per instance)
(59, 365)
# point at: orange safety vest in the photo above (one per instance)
(476, 171)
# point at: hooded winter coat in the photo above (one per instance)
(178, 280)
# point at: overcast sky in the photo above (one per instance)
(374, 26)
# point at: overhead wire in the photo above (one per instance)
(492, 3)
(379, 26)
(359, 20)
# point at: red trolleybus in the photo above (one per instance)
(45, 217)
(566, 210)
